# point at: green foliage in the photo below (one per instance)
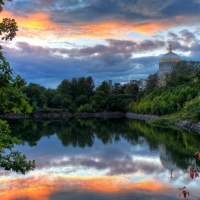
(8, 27)
(74, 88)
(105, 87)
(98, 101)
(57, 100)
(71, 94)
(46, 109)
(13, 160)
(165, 100)
(36, 94)
(49, 95)
(11, 100)
(90, 86)
(119, 102)
(197, 80)
(183, 73)
(90, 108)
(191, 110)
(117, 89)
(11, 96)
(152, 81)
(77, 87)
(64, 87)
(81, 100)
(132, 88)
(180, 95)
(66, 103)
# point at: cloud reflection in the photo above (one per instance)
(46, 186)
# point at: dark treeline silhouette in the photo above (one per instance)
(78, 94)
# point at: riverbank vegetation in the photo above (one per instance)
(178, 100)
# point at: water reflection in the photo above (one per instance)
(102, 159)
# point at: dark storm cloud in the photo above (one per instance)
(116, 47)
(76, 11)
(183, 7)
(48, 66)
(39, 65)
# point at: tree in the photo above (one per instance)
(152, 81)
(50, 94)
(82, 86)
(36, 94)
(132, 87)
(81, 100)
(90, 86)
(8, 27)
(105, 87)
(57, 100)
(11, 99)
(64, 87)
(74, 88)
(183, 73)
(99, 100)
(116, 89)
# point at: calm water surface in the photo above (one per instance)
(95, 159)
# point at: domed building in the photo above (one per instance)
(167, 62)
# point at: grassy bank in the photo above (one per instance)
(166, 119)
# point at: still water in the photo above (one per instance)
(96, 159)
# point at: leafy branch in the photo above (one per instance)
(11, 99)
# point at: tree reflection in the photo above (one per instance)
(179, 145)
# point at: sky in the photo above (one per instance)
(118, 40)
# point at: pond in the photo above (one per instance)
(100, 159)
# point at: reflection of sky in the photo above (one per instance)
(98, 172)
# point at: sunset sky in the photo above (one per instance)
(118, 40)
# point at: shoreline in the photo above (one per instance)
(144, 117)
(105, 115)
(62, 115)
(189, 126)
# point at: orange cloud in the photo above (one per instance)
(37, 21)
(39, 25)
(41, 187)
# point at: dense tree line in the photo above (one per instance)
(79, 94)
